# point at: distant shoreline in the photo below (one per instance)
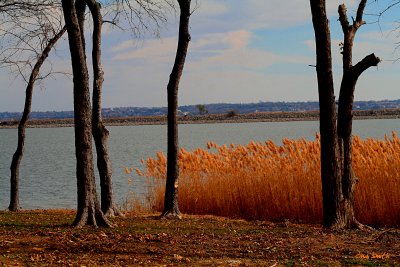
(210, 118)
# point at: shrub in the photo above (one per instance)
(232, 113)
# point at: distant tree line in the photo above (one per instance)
(221, 108)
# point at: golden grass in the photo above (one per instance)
(265, 181)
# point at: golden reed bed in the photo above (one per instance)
(265, 181)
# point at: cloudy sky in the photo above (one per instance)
(241, 52)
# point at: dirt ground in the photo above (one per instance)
(44, 238)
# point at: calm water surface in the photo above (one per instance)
(48, 166)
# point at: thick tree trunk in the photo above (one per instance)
(99, 131)
(345, 118)
(16, 160)
(345, 125)
(338, 179)
(171, 207)
(80, 8)
(89, 212)
(330, 163)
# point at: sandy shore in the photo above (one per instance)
(213, 118)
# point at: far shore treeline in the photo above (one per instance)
(229, 117)
(218, 108)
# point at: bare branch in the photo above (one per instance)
(367, 62)
(344, 21)
(140, 16)
(360, 11)
(26, 27)
(390, 6)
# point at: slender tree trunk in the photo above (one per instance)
(171, 207)
(16, 160)
(89, 212)
(99, 131)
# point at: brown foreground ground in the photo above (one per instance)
(44, 238)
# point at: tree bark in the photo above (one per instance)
(16, 160)
(99, 131)
(89, 212)
(171, 207)
(345, 118)
(338, 180)
(330, 164)
(80, 7)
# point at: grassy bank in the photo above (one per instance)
(44, 238)
(265, 181)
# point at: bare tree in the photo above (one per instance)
(17, 6)
(391, 8)
(89, 211)
(351, 73)
(136, 13)
(171, 207)
(28, 32)
(338, 179)
(35, 20)
(26, 27)
(138, 16)
(99, 131)
(16, 160)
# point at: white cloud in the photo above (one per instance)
(246, 86)
(212, 8)
(224, 65)
(153, 50)
(276, 13)
(258, 14)
(129, 44)
(365, 44)
(223, 50)
(238, 53)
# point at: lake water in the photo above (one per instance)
(48, 167)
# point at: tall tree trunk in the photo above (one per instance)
(89, 212)
(171, 207)
(345, 118)
(330, 163)
(16, 160)
(80, 8)
(338, 179)
(99, 131)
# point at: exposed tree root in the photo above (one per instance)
(359, 226)
(171, 215)
(13, 209)
(89, 217)
(341, 225)
(113, 212)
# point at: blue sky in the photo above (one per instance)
(241, 52)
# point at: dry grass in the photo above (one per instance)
(265, 181)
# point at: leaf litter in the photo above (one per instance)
(46, 239)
